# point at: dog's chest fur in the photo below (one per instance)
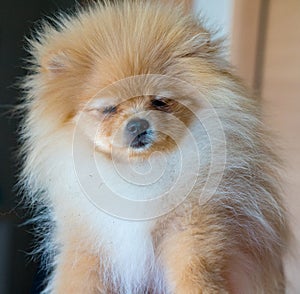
(131, 263)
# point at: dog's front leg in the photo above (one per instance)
(194, 262)
(76, 271)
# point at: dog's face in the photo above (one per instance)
(134, 126)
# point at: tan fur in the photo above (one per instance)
(77, 272)
(231, 243)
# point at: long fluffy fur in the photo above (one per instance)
(232, 243)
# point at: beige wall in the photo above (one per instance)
(246, 32)
(281, 99)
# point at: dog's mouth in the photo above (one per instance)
(142, 141)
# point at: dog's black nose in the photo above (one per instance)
(137, 126)
(138, 133)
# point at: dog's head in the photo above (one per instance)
(123, 74)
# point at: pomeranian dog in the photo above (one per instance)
(146, 159)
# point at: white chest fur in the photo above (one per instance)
(131, 262)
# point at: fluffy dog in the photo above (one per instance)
(146, 159)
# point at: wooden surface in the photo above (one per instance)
(281, 98)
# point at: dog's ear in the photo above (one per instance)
(199, 44)
(56, 62)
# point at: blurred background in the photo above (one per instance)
(263, 38)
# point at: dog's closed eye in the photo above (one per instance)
(111, 109)
(161, 104)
